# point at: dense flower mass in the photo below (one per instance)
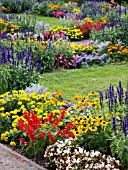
(76, 157)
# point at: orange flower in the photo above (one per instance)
(113, 61)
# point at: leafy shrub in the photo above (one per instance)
(5, 78)
(15, 6)
(119, 139)
(14, 22)
(42, 8)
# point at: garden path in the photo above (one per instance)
(83, 42)
(11, 160)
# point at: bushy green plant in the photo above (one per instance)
(119, 147)
(17, 6)
(21, 77)
(42, 8)
(16, 78)
(23, 23)
(5, 77)
(111, 34)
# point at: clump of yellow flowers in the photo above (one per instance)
(73, 33)
(54, 7)
(6, 26)
(13, 105)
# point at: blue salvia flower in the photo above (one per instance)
(120, 92)
(101, 98)
(126, 98)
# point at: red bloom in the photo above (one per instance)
(50, 117)
(64, 133)
(27, 143)
(51, 137)
(41, 135)
(58, 134)
(22, 140)
(98, 26)
(21, 125)
(71, 135)
(56, 122)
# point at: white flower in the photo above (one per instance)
(58, 151)
(51, 154)
(62, 160)
(97, 153)
(108, 166)
(86, 153)
(81, 150)
(76, 160)
(118, 162)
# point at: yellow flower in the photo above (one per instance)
(14, 125)
(94, 128)
(2, 138)
(60, 124)
(103, 123)
(19, 103)
(14, 130)
(12, 143)
(1, 108)
(6, 139)
(6, 133)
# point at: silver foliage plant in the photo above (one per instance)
(42, 27)
(37, 88)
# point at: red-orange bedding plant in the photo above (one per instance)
(38, 134)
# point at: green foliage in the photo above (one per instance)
(16, 78)
(42, 8)
(15, 6)
(21, 78)
(46, 58)
(96, 141)
(114, 35)
(119, 147)
(5, 77)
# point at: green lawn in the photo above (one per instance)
(50, 20)
(81, 81)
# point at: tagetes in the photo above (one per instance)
(12, 143)
(54, 7)
(3, 9)
(6, 26)
(118, 52)
(72, 32)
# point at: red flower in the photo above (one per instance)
(41, 135)
(71, 135)
(58, 134)
(22, 140)
(51, 137)
(98, 26)
(50, 117)
(21, 125)
(27, 143)
(64, 133)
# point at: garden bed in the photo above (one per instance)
(89, 131)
